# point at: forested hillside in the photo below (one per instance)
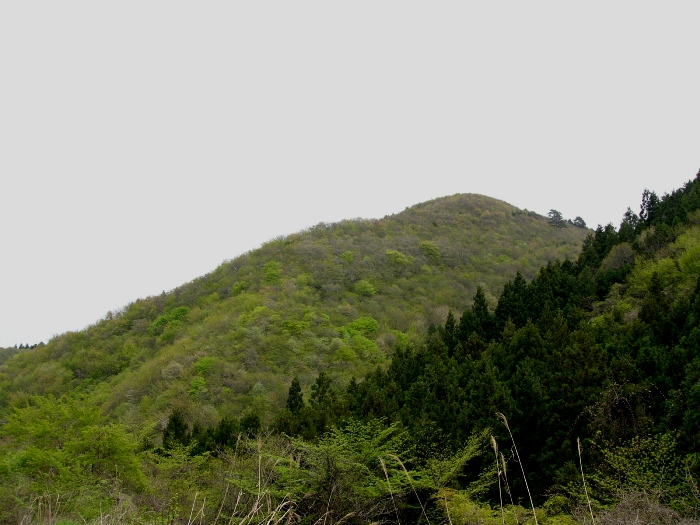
(605, 350)
(605, 347)
(384, 371)
(338, 297)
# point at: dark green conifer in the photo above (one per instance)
(513, 304)
(449, 333)
(295, 400)
(250, 424)
(322, 393)
(176, 431)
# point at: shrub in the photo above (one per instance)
(398, 259)
(273, 272)
(431, 251)
(366, 326)
(365, 288)
(239, 286)
(172, 371)
(204, 364)
(198, 386)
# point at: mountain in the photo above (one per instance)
(595, 361)
(326, 377)
(336, 297)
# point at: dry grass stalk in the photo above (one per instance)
(510, 494)
(447, 509)
(410, 481)
(386, 474)
(498, 473)
(585, 490)
(223, 500)
(46, 510)
(191, 520)
(532, 504)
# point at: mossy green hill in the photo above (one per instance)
(336, 297)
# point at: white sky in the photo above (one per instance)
(142, 143)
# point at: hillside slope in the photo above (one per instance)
(336, 297)
(605, 350)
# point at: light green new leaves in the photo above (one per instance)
(63, 446)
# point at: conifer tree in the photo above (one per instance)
(176, 430)
(295, 401)
(322, 393)
(449, 333)
(556, 219)
(483, 317)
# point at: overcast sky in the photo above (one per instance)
(143, 143)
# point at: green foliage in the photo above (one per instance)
(7, 353)
(364, 347)
(273, 272)
(398, 260)
(431, 251)
(198, 386)
(352, 472)
(175, 479)
(688, 244)
(295, 327)
(464, 510)
(443, 469)
(239, 287)
(64, 447)
(366, 326)
(159, 325)
(651, 465)
(179, 313)
(365, 288)
(204, 365)
(169, 322)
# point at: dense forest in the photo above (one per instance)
(369, 389)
